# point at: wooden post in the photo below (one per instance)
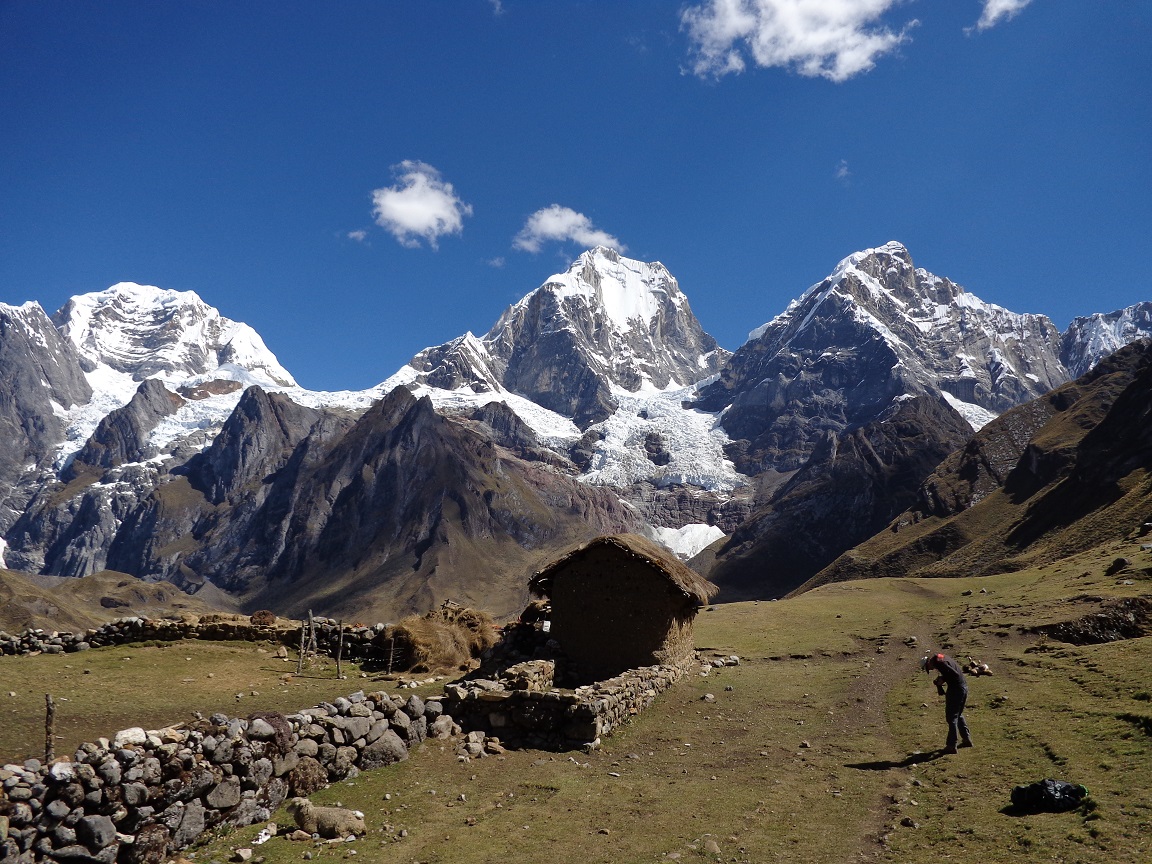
(300, 660)
(391, 653)
(339, 649)
(49, 728)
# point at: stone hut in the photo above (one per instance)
(620, 602)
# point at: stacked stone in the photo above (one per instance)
(147, 793)
(360, 642)
(43, 642)
(548, 718)
(537, 675)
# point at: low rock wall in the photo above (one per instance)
(558, 719)
(145, 794)
(360, 642)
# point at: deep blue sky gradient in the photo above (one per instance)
(229, 148)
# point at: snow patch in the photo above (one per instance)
(976, 416)
(689, 540)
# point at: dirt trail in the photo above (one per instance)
(862, 716)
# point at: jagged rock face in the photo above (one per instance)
(122, 435)
(261, 433)
(1013, 441)
(876, 329)
(38, 370)
(147, 332)
(1090, 339)
(1077, 481)
(395, 511)
(410, 508)
(607, 322)
(852, 485)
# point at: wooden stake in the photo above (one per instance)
(49, 728)
(339, 649)
(300, 660)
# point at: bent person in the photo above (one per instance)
(953, 686)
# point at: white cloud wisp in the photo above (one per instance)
(832, 39)
(421, 205)
(996, 11)
(562, 224)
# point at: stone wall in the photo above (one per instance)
(360, 642)
(537, 716)
(144, 794)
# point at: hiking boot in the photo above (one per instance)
(950, 749)
(967, 742)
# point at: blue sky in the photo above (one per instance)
(359, 180)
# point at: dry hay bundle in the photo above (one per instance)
(446, 638)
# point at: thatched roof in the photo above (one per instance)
(679, 574)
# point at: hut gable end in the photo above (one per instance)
(619, 602)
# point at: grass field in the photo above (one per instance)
(820, 747)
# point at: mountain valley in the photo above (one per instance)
(156, 438)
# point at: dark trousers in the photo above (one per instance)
(954, 702)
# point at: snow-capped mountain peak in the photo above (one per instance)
(607, 323)
(149, 332)
(627, 290)
(1091, 338)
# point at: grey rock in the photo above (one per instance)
(261, 729)
(135, 794)
(96, 832)
(388, 749)
(414, 707)
(191, 824)
(225, 794)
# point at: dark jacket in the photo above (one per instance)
(950, 673)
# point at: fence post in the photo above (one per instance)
(49, 727)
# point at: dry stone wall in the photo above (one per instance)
(522, 709)
(360, 642)
(144, 794)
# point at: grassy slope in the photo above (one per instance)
(74, 604)
(830, 670)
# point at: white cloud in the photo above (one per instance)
(842, 172)
(562, 223)
(996, 11)
(421, 205)
(497, 7)
(497, 262)
(833, 39)
(358, 235)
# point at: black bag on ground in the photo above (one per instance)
(1048, 796)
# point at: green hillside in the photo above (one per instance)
(819, 747)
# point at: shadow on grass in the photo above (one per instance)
(888, 764)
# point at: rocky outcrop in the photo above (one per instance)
(122, 436)
(258, 439)
(1077, 481)
(850, 488)
(38, 370)
(409, 507)
(1089, 339)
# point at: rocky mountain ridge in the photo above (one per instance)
(158, 438)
